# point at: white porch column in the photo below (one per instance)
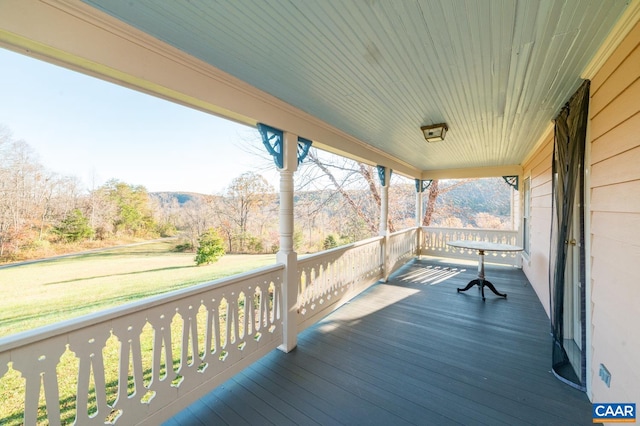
(419, 213)
(383, 230)
(286, 255)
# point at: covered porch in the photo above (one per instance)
(409, 351)
(360, 80)
(144, 362)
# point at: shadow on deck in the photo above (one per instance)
(411, 351)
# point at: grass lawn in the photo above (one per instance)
(45, 292)
(53, 290)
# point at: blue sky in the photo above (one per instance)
(95, 130)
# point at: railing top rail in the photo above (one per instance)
(504, 231)
(403, 231)
(337, 250)
(63, 327)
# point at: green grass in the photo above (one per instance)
(45, 292)
(53, 290)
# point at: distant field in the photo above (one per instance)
(53, 290)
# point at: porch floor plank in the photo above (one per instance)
(410, 351)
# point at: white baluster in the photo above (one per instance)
(249, 314)
(276, 311)
(88, 345)
(212, 327)
(37, 363)
(189, 337)
(128, 333)
(161, 324)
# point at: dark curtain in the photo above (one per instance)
(568, 177)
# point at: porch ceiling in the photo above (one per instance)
(496, 72)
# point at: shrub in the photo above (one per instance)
(254, 245)
(183, 247)
(210, 247)
(75, 227)
(330, 242)
(166, 230)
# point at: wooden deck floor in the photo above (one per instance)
(411, 351)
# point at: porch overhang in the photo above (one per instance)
(498, 79)
(76, 36)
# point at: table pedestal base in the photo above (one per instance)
(482, 283)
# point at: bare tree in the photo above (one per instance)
(342, 175)
(196, 216)
(43, 197)
(5, 192)
(432, 195)
(436, 190)
(243, 198)
(18, 171)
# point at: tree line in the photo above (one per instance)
(337, 201)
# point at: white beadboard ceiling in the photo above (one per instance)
(496, 71)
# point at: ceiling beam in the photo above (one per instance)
(471, 173)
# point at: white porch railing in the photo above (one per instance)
(330, 278)
(145, 361)
(142, 362)
(434, 243)
(403, 246)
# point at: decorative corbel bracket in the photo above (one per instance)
(272, 139)
(512, 181)
(381, 175)
(422, 185)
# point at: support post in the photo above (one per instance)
(419, 202)
(286, 254)
(383, 230)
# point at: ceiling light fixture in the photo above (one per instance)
(435, 132)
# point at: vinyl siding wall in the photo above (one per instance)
(536, 264)
(614, 211)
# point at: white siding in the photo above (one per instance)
(615, 222)
(536, 266)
